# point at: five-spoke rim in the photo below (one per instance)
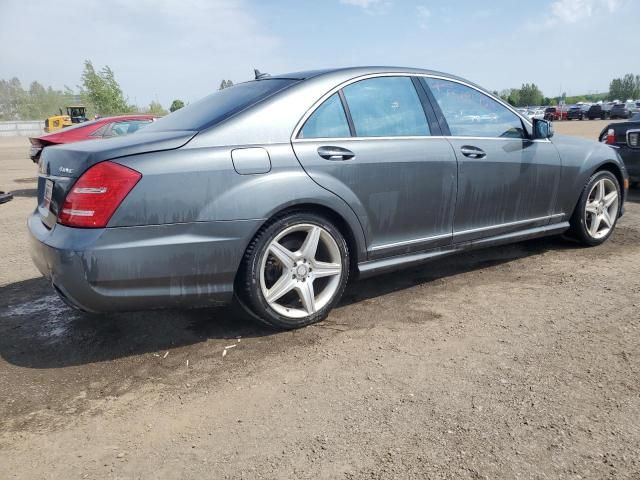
(300, 270)
(601, 209)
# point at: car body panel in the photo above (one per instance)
(580, 159)
(179, 236)
(145, 267)
(515, 185)
(402, 189)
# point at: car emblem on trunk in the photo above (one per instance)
(65, 170)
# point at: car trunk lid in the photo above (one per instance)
(61, 165)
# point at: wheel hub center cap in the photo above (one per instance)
(301, 271)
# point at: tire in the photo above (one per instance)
(582, 221)
(276, 263)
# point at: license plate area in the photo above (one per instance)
(48, 193)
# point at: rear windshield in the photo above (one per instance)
(220, 105)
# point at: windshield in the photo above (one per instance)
(220, 105)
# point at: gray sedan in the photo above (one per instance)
(277, 191)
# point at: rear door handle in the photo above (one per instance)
(335, 153)
(472, 152)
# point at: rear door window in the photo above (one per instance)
(328, 121)
(386, 107)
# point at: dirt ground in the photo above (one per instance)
(513, 362)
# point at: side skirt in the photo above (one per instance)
(383, 265)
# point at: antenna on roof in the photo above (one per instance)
(259, 75)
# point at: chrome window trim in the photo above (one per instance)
(435, 137)
(319, 102)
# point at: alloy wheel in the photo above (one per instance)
(300, 271)
(601, 209)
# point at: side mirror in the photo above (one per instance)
(542, 129)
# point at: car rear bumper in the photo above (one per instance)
(139, 268)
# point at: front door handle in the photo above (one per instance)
(335, 153)
(472, 152)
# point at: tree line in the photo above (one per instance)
(625, 88)
(99, 91)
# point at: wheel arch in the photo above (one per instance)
(614, 168)
(609, 166)
(350, 228)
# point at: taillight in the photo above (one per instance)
(97, 194)
(611, 137)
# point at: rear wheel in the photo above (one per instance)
(597, 211)
(294, 271)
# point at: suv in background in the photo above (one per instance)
(620, 111)
(575, 112)
(596, 111)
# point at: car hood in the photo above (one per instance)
(72, 159)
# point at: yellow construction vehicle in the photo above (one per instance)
(75, 114)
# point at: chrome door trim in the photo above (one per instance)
(509, 224)
(404, 243)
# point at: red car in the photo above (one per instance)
(556, 113)
(102, 128)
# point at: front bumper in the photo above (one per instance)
(631, 158)
(145, 267)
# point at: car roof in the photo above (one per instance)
(350, 72)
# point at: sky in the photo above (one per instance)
(166, 49)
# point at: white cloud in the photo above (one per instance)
(574, 11)
(424, 14)
(372, 7)
(157, 48)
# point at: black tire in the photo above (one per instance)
(248, 286)
(578, 222)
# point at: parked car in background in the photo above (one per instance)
(584, 107)
(596, 111)
(620, 110)
(625, 137)
(535, 113)
(104, 127)
(575, 113)
(555, 113)
(281, 189)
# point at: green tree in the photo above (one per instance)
(12, 97)
(529, 94)
(155, 108)
(176, 105)
(102, 92)
(625, 88)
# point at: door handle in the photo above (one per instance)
(335, 153)
(472, 152)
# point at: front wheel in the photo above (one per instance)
(294, 271)
(597, 211)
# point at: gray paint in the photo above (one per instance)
(178, 238)
(251, 161)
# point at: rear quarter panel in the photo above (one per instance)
(200, 185)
